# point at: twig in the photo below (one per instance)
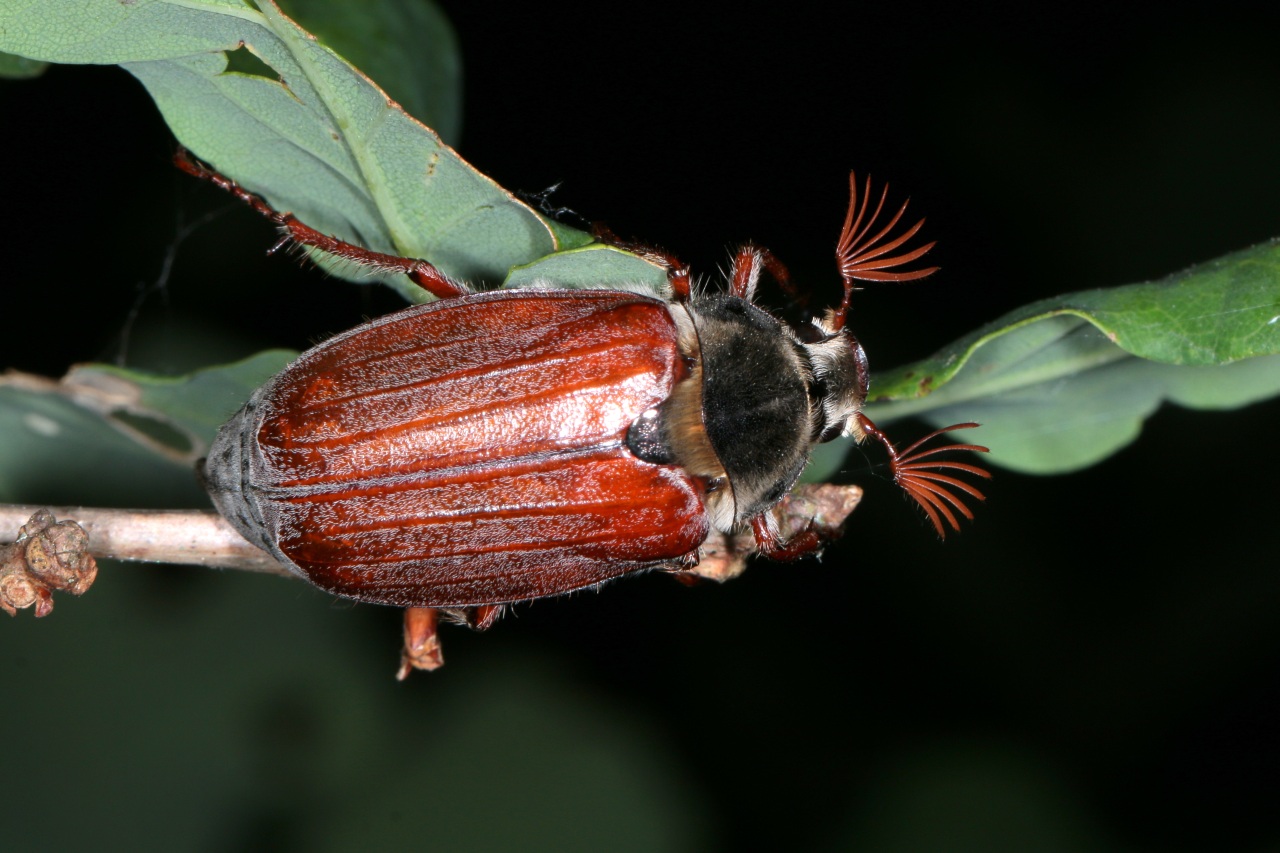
(186, 537)
(46, 555)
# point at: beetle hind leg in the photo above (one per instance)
(422, 639)
(421, 642)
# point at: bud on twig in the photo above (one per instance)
(49, 555)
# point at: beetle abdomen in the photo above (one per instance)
(470, 451)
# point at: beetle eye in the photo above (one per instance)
(862, 371)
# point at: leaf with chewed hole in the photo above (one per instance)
(107, 435)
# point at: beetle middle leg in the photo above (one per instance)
(423, 273)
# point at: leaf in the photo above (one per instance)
(108, 435)
(19, 67)
(388, 41)
(594, 266)
(1065, 382)
(194, 405)
(247, 90)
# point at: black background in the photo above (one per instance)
(1111, 635)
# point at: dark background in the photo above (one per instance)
(1093, 664)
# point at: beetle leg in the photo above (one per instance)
(423, 273)
(813, 509)
(724, 556)
(421, 642)
(482, 618)
(745, 273)
(677, 271)
(808, 541)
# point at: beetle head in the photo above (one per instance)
(841, 377)
(760, 393)
(866, 256)
(840, 381)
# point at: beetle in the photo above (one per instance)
(495, 447)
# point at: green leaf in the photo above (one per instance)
(254, 95)
(594, 266)
(108, 435)
(1063, 383)
(389, 40)
(19, 67)
(194, 405)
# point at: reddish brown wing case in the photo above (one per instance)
(471, 451)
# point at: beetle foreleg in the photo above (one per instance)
(423, 273)
(808, 541)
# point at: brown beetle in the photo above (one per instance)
(502, 446)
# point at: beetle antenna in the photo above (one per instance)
(924, 480)
(861, 257)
